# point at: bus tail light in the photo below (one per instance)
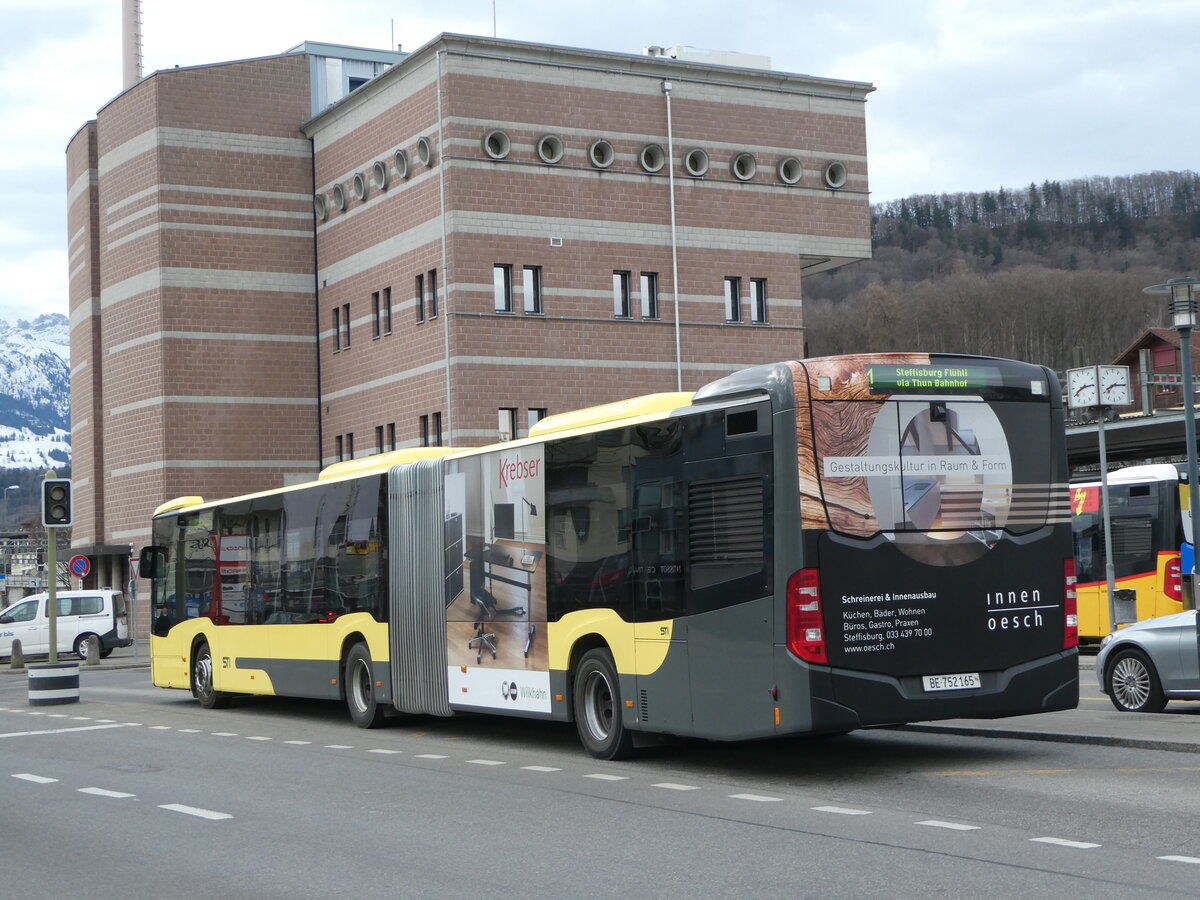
(1070, 606)
(1173, 579)
(805, 626)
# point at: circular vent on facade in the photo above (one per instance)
(834, 174)
(401, 162)
(601, 153)
(743, 166)
(496, 144)
(360, 186)
(379, 175)
(425, 151)
(695, 162)
(550, 148)
(320, 207)
(652, 157)
(339, 197)
(789, 170)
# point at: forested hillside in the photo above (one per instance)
(1051, 274)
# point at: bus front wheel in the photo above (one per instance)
(202, 680)
(361, 699)
(597, 700)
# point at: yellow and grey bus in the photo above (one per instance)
(1148, 525)
(800, 548)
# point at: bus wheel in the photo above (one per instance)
(597, 700)
(202, 680)
(1133, 684)
(365, 709)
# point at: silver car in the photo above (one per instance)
(1144, 665)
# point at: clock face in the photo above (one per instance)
(1114, 386)
(1082, 389)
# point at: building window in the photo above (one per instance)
(758, 300)
(424, 431)
(733, 299)
(437, 429)
(420, 291)
(337, 329)
(387, 310)
(391, 436)
(431, 285)
(533, 416)
(502, 287)
(649, 292)
(379, 439)
(531, 285)
(507, 423)
(376, 315)
(621, 295)
(339, 448)
(349, 445)
(346, 326)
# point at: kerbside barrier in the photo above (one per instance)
(51, 684)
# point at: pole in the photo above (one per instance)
(1109, 571)
(52, 591)
(666, 87)
(1189, 425)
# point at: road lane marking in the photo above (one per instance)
(160, 727)
(101, 792)
(756, 798)
(338, 747)
(298, 743)
(382, 750)
(603, 776)
(36, 779)
(541, 769)
(223, 733)
(842, 810)
(671, 786)
(195, 811)
(1063, 842)
(431, 756)
(953, 826)
(1183, 859)
(485, 762)
(258, 737)
(189, 730)
(59, 730)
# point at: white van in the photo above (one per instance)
(80, 615)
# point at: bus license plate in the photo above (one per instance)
(961, 682)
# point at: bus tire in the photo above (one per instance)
(202, 680)
(1132, 683)
(359, 679)
(596, 697)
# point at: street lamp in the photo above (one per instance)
(1183, 310)
(11, 487)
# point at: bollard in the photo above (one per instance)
(17, 662)
(53, 683)
(93, 651)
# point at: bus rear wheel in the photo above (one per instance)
(361, 699)
(202, 680)
(597, 700)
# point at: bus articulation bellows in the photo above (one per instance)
(800, 548)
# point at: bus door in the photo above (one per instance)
(656, 578)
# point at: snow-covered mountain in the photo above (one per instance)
(35, 393)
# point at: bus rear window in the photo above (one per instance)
(933, 473)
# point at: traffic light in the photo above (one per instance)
(56, 502)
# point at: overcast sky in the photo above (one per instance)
(971, 95)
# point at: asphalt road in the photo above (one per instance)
(137, 792)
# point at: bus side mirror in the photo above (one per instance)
(152, 562)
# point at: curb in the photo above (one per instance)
(1056, 737)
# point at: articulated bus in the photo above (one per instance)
(800, 548)
(1148, 526)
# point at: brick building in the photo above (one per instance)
(277, 263)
